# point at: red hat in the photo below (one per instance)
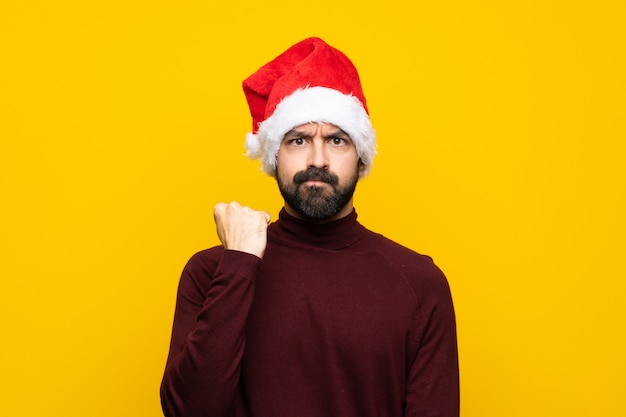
(309, 82)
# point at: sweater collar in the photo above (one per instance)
(337, 234)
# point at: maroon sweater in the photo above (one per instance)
(334, 321)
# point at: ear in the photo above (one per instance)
(361, 168)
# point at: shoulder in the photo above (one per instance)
(204, 261)
(206, 264)
(197, 274)
(425, 280)
(397, 253)
(419, 269)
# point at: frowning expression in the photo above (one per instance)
(317, 171)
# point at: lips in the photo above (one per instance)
(316, 183)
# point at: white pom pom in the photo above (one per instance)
(253, 146)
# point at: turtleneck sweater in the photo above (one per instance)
(335, 320)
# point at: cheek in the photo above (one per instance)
(284, 172)
(289, 164)
(348, 167)
(280, 173)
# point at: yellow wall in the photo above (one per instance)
(501, 132)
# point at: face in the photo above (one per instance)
(317, 172)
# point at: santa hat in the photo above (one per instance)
(309, 82)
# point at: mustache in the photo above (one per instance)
(316, 174)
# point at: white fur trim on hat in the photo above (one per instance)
(309, 105)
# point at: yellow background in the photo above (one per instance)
(501, 139)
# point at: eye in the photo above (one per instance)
(338, 141)
(297, 141)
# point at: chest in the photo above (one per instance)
(321, 305)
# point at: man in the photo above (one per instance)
(313, 315)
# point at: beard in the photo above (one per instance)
(317, 203)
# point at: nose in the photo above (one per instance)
(318, 157)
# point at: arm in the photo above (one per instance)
(433, 379)
(208, 340)
(208, 337)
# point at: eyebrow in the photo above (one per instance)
(302, 134)
(336, 133)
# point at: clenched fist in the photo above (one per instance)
(242, 228)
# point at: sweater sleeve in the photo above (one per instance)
(433, 379)
(203, 367)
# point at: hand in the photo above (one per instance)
(242, 228)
